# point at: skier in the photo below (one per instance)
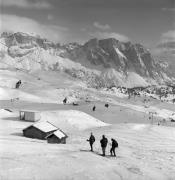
(91, 141)
(65, 101)
(18, 84)
(114, 145)
(94, 107)
(173, 101)
(107, 105)
(104, 142)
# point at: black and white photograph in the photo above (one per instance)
(87, 89)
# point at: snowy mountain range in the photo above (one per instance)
(166, 52)
(99, 63)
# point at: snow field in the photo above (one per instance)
(71, 119)
(145, 152)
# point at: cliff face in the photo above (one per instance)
(123, 57)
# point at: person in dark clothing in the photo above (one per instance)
(106, 105)
(94, 107)
(91, 141)
(114, 145)
(18, 84)
(65, 101)
(104, 142)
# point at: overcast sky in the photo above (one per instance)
(143, 21)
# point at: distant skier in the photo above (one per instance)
(94, 107)
(114, 145)
(104, 142)
(18, 84)
(106, 105)
(173, 101)
(91, 141)
(65, 101)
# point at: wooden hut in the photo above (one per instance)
(31, 116)
(58, 137)
(39, 130)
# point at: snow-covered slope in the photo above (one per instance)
(135, 80)
(41, 86)
(145, 152)
(71, 120)
(111, 77)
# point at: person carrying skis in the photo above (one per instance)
(104, 142)
(91, 141)
(114, 145)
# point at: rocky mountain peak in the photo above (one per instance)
(70, 46)
(111, 55)
(92, 43)
(109, 42)
(20, 38)
(121, 56)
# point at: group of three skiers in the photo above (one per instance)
(103, 142)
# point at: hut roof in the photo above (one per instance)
(59, 134)
(44, 126)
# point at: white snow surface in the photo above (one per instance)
(164, 113)
(114, 91)
(7, 94)
(71, 119)
(120, 53)
(135, 80)
(146, 151)
(113, 77)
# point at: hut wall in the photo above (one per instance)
(63, 140)
(53, 139)
(33, 132)
(30, 116)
